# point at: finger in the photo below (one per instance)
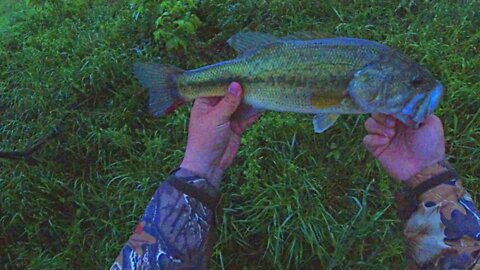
(373, 127)
(203, 105)
(252, 119)
(206, 101)
(230, 152)
(384, 119)
(229, 103)
(433, 120)
(243, 125)
(374, 140)
(379, 117)
(375, 144)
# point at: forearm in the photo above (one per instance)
(176, 228)
(443, 231)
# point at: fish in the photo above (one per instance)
(326, 77)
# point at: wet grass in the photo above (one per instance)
(292, 199)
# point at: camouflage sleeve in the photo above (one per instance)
(442, 229)
(175, 230)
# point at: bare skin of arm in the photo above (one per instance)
(176, 229)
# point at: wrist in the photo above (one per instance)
(433, 184)
(211, 173)
(412, 167)
(195, 187)
(428, 172)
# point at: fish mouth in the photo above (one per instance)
(420, 106)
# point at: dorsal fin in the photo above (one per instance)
(306, 36)
(249, 41)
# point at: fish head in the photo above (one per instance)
(397, 87)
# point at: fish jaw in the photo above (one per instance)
(435, 97)
(420, 106)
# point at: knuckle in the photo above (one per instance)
(369, 123)
(232, 99)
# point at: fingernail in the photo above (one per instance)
(234, 89)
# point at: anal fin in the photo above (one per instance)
(322, 122)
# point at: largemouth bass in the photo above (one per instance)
(325, 77)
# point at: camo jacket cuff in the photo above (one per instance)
(175, 232)
(443, 232)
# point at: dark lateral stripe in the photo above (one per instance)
(279, 80)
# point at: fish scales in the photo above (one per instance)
(282, 77)
(325, 77)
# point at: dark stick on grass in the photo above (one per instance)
(26, 155)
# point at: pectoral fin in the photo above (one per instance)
(322, 122)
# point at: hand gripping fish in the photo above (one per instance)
(325, 77)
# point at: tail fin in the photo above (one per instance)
(161, 82)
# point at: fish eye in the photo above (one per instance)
(417, 81)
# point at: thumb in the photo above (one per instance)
(229, 103)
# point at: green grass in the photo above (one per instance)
(292, 199)
(5, 8)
